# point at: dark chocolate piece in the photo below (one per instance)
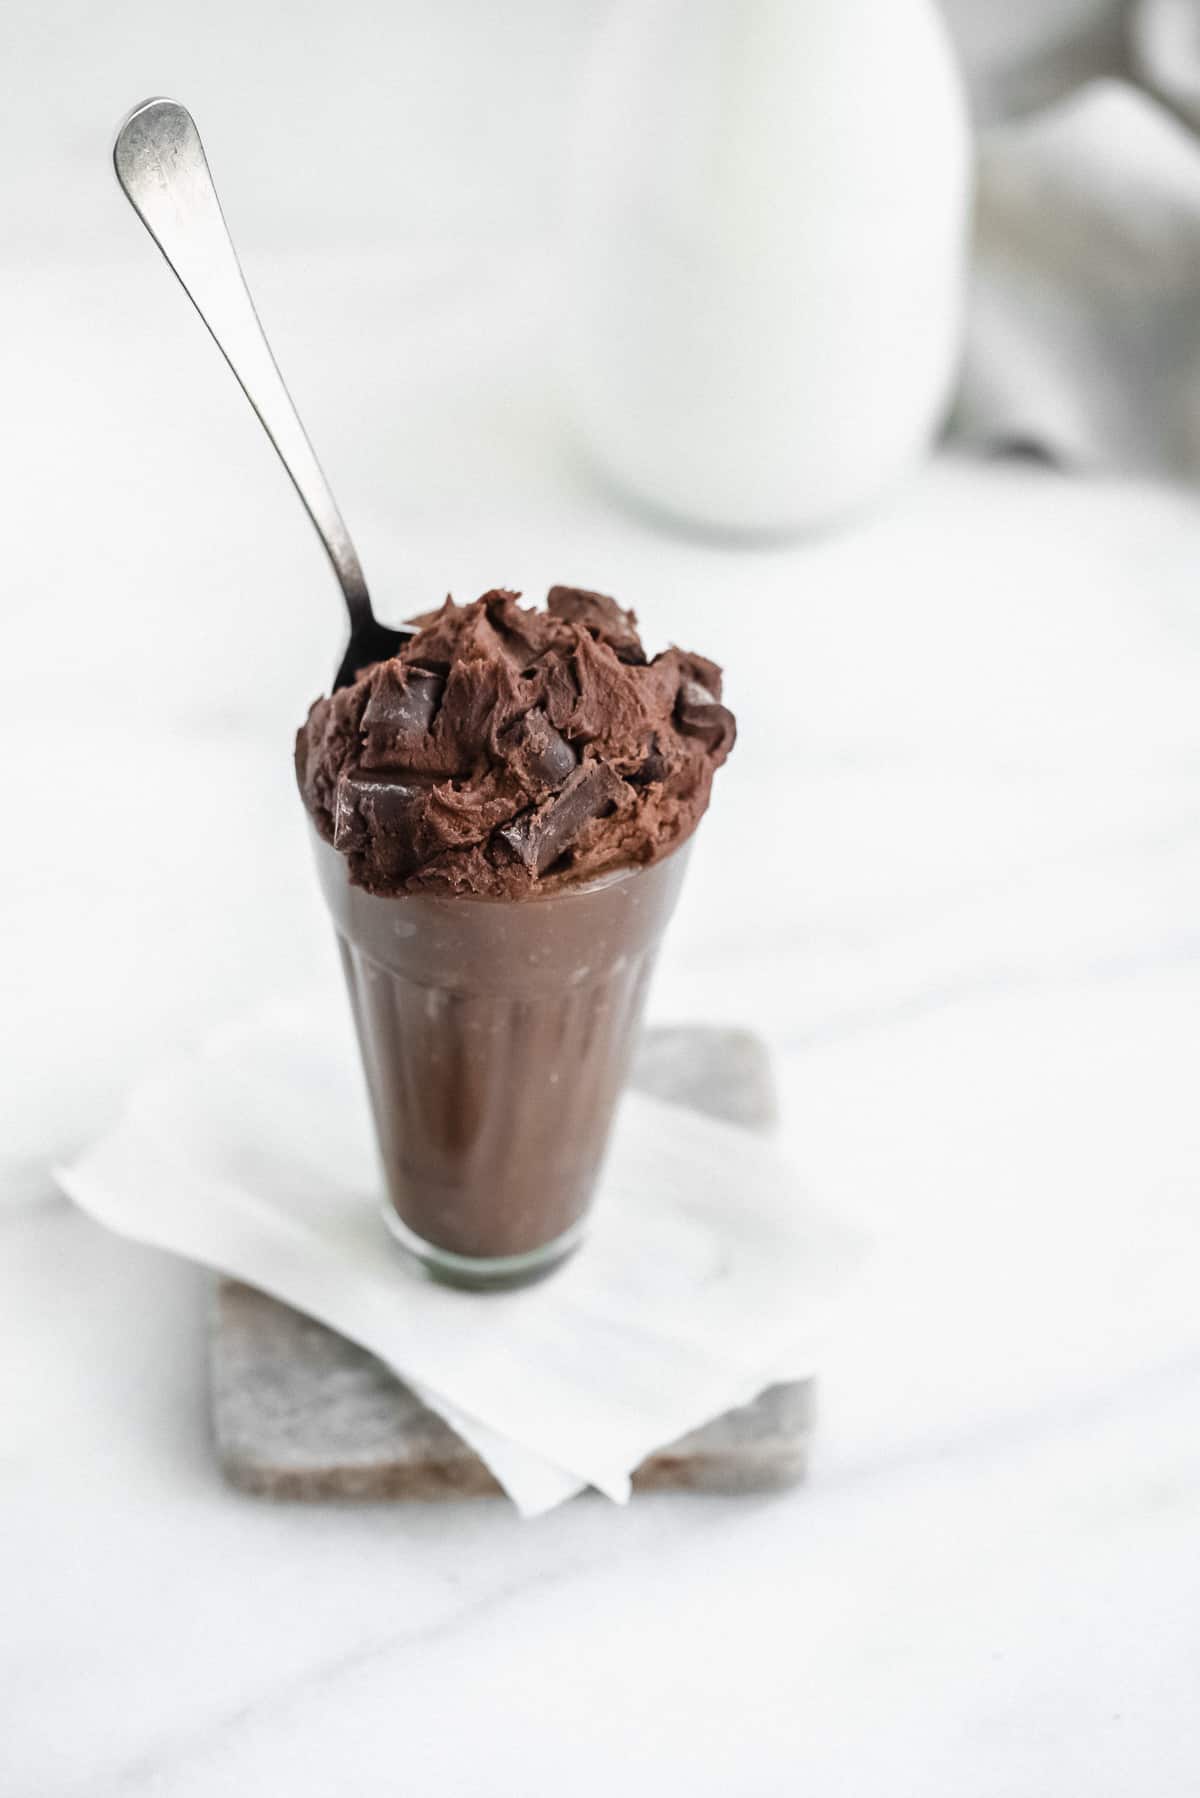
(699, 715)
(541, 836)
(701, 670)
(380, 813)
(401, 708)
(654, 768)
(403, 698)
(540, 753)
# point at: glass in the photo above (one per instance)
(496, 1036)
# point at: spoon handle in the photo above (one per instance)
(163, 171)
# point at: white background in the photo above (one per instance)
(366, 121)
(952, 872)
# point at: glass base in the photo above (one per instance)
(472, 1273)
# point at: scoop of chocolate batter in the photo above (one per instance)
(506, 749)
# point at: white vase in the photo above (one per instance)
(766, 231)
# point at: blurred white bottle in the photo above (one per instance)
(766, 232)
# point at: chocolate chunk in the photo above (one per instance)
(378, 814)
(538, 838)
(401, 707)
(655, 767)
(597, 613)
(699, 669)
(699, 715)
(539, 754)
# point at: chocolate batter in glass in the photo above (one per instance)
(503, 811)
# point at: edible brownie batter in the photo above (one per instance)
(506, 751)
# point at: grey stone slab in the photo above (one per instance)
(726, 1073)
(300, 1413)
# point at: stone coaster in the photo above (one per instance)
(299, 1412)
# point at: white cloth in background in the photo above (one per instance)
(707, 1275)
(1026, 54)
(1083, 339)
(1164, 43)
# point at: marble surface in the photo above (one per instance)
(301, 1413)
(953, 874)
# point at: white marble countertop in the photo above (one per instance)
(967, 804)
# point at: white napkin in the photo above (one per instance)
(706, 1276)
(1084, 332)
(1164, 44)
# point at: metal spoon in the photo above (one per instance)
(163, 171)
